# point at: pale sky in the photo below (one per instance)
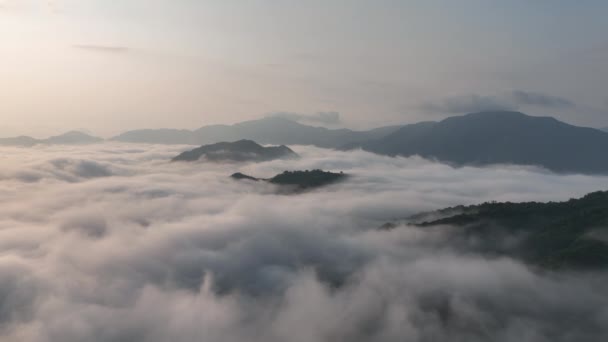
(110, 66)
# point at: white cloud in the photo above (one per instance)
(130, 247)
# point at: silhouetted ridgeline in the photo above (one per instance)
(271, 130)
(571, 234)
(478, 139)
(238, 151)
(299, 180)
(500, 138)
(307, 179)
(240, 176)
(69, 138)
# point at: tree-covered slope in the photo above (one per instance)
(571, 234)
(298, 180)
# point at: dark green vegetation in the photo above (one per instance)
(500, 138)
(571, 234)
(307, 179)
(271, 130)
(299, 180)
(238, 151)
(240, 176)
(69, 138)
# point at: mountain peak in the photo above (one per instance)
(73, 134)
(268, 130)
(238, 151)
(72, 137)
(501, 137)
(299, 180)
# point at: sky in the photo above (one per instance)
(110, 66)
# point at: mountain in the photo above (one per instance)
(72, 138)
(605, 129)
(299, 180)
(239, 151)
(500, 138)
(69, 138)
(270, 130)
(23, 141)
(240, 176)
(571, 234)
(159, 136)
(307, 179)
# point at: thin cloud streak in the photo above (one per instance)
(102, 48)
(513, 100)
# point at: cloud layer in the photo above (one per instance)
(514, 100)
(113, 243)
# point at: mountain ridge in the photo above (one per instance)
(238, 151)
(298, 180)
(500, 137)
(269, 130)
(67, 138)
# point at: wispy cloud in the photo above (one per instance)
(102, 48)
(539, 99)
(513, 100)
(7, 5)
(467, 104)
(26, 6)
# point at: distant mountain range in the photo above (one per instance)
(238, 151)
(479, 139)
(298, 180)
(271, 130)
(571, 234)
(69, 138)
(499, 138)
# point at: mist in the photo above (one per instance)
(112, 242)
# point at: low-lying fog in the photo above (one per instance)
(111, 242)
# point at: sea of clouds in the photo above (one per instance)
(112, 242)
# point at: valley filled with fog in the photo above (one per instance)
(113, 242)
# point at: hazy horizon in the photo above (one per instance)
(313, 120)
(458, 219)
(109, 67)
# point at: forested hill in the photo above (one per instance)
(571, 234)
